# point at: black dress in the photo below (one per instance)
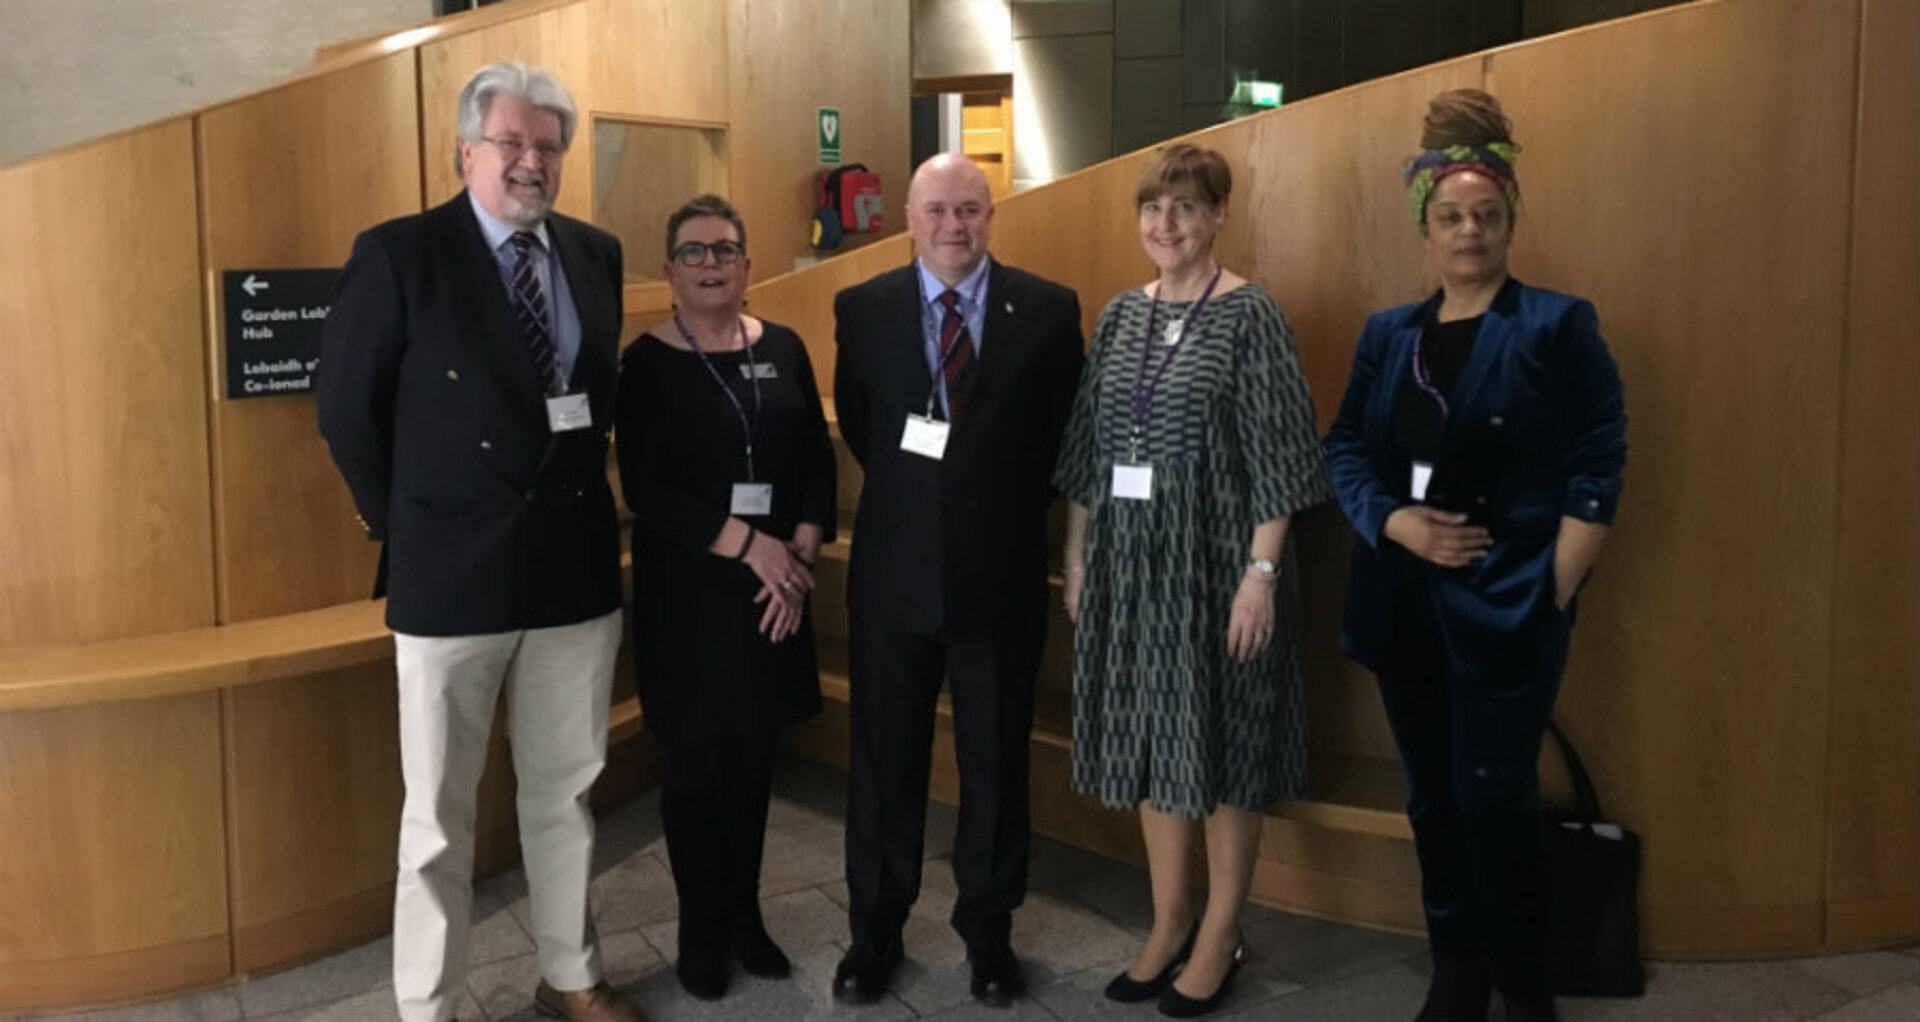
(705, 671)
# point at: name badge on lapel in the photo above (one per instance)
(568, 412)
(759, 371)
(925, 436)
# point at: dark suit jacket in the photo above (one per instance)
(959, 543)
(437, 420)
(1536, 430)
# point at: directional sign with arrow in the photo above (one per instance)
(273, 320)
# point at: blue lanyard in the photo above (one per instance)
(753, 374)
(1144, 386)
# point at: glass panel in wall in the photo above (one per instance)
(643, 171)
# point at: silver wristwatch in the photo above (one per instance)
(1265, 566)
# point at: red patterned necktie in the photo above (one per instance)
(956, 353)
(530, 309)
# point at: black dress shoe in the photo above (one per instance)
(866, 971)
(997, 978)
(1127, 990)
(759, 955)
(1174, 1004)
(1523, 1010)
(1459, 991)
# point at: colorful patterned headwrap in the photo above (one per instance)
(1425, 170)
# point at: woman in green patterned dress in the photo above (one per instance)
(1192, 442)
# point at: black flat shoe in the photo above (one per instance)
(998, 980)
(759, 955)
(1174, 1004)
(1519, 1010)
(702, 972)
(866, 971)
(1127, 990)
(1460, 991)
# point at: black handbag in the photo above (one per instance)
(1595, 866)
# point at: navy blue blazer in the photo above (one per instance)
(436, 417)
(1537, 430)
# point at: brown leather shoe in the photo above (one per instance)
(601, 1003)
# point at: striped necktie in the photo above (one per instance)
(956, 353)
(530, 309)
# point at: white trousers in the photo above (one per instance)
(558, 682)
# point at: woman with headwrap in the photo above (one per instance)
(1478, 453)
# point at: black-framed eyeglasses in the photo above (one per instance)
(513, 148)
(693, 253)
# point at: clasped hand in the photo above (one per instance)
(1442, 537)
(786, 579)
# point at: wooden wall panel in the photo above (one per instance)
(787, 60)
(804, 301)
(314, 764)
(1082, 235)
(1698, 679)
(103, 429)
(1873, 851)
(558, 39)
(643, 172)
(659, 58)
(127, 796)
(288, 177)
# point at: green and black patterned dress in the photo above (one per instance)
(1161, 713)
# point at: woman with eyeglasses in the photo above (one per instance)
(726, 464)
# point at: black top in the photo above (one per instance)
(705, 671)
(1417, 420)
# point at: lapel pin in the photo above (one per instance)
(1009, 308)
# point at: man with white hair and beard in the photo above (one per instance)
(466, 391)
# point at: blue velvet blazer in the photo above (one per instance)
(1536, 430)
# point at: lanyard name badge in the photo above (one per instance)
(1422, 471)
(750, 497)
(1133, 478)
(926, 435)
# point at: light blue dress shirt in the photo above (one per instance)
(973, 309)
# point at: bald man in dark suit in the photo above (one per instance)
(954, 379)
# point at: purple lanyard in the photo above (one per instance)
(753, 374)
(1144, 386)
(1420, 377)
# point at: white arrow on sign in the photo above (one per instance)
(253, 285)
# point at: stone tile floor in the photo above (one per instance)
(1081, 924)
